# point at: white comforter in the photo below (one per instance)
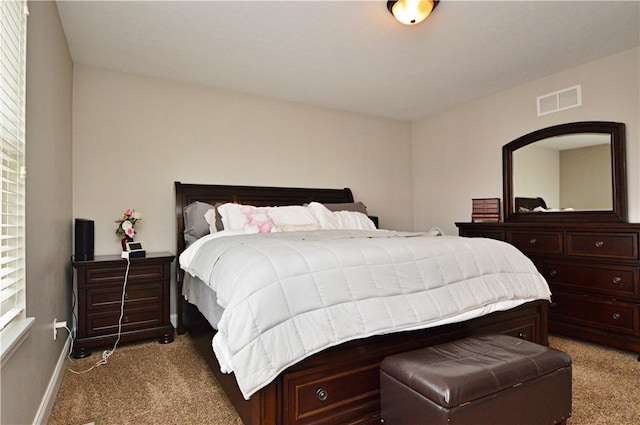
(289, 295)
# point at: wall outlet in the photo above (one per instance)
(57, 325)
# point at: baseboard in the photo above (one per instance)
(49, 398)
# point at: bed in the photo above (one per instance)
(339, 384)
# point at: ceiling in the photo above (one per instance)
(349, 55)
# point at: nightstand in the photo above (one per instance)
(147, 306)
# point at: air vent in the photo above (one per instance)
(560, 100)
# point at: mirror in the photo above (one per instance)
(568, 172)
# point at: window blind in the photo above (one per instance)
(13, 35)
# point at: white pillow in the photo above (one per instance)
(345, 220)
(210, 217)
(353, 220)
(246, 217)
(293, 218)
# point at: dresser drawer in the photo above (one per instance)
(598, 313)
(605, 279)
(313, 396)
(549, 243)
(608, 245)
(481, 233)
(110, 275)
(135, 295)
(106, 323)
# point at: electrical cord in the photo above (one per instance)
(106, 353)
(74, 318)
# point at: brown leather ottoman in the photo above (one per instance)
(493, 379)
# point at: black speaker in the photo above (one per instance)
(84, 240)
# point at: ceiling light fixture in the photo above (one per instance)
(411, 12)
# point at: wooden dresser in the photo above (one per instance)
(593, 271)
(100, 293)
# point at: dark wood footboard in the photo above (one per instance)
(341, 385)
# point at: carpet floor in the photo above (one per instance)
(151, 383)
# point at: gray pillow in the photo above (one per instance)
(348, 206)
(195, 226)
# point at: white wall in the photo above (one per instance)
(134, 136)
(457, 155)
(538, 174)
(585, 178)
(26, 376)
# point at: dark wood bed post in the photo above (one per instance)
(180, 245)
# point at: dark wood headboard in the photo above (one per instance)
(252, 195)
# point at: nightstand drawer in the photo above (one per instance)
(111, 275)
(606, 279)
(600, 313)
(537, 242)
(106, 323)
(135, 295)
(609, 245)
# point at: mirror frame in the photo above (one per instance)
(618, 170)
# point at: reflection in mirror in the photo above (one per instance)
(569, 173)
(572, 172)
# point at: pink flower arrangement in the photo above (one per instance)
(126, 222)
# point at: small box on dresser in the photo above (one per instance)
(485, 210)
(100, 285)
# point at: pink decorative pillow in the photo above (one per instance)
(257, 217)
(246, 217)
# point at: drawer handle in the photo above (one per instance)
(523, 335)
(321, 394)
(533, 241)
(617, 280)
(599, 244)
(553, 273)
(616, 316)
(126, 295)
(126, 319)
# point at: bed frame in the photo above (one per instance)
(339, 385)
